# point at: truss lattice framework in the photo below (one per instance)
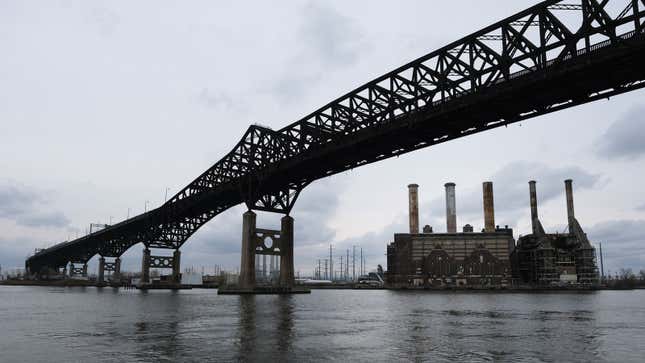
(267, 169)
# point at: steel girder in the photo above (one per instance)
(546, 58)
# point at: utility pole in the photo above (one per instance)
(331, 264)
(341, 267)
(319, 270)
(347, 266)
(326, 276)
(602, 269)
(353, 263)
(362, 272)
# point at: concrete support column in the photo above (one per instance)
(413, 201)
(85, 269)
(568, 186)
(247, 263)
(451, 208)
(145, 266)
(286, 252)
(533, 200)
(176, 267)
(101, 278)
(65, 271)
(116, 275)
(489, 207)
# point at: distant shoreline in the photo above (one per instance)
(84, 283)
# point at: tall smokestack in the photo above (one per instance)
(568, 187)
(534, 211)
(451, 208)
(413, 196)
(489, 207)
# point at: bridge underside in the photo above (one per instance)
(269, 168)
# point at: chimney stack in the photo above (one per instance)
(568, 186)
(451, 208)
(489, 207)
(534, 212)
(413, 197)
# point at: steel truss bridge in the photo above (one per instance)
(552, 56)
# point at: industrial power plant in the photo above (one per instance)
(490, 258)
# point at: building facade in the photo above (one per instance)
(454, 258)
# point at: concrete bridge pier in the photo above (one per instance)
(145, 266)
(247, 260)
(116, 274)
(286, 252)
(253, 245)
(163, 262)
(176, 267)
(76, 271)
(113, 267)
(101, 274)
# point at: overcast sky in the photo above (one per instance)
(104, 105)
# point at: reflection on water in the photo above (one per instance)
(246, 332)
(58, 324)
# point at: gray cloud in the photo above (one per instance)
(215, 99)
(43, 219)
(328, 40)
(623, 243)
(15, 199)
(329, 35)
(105, 20)
(624, 138)
(25, 206)
(13, 252)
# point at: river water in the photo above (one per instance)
(56, 324)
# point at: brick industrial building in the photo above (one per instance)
(490, 258)
(464, 258)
